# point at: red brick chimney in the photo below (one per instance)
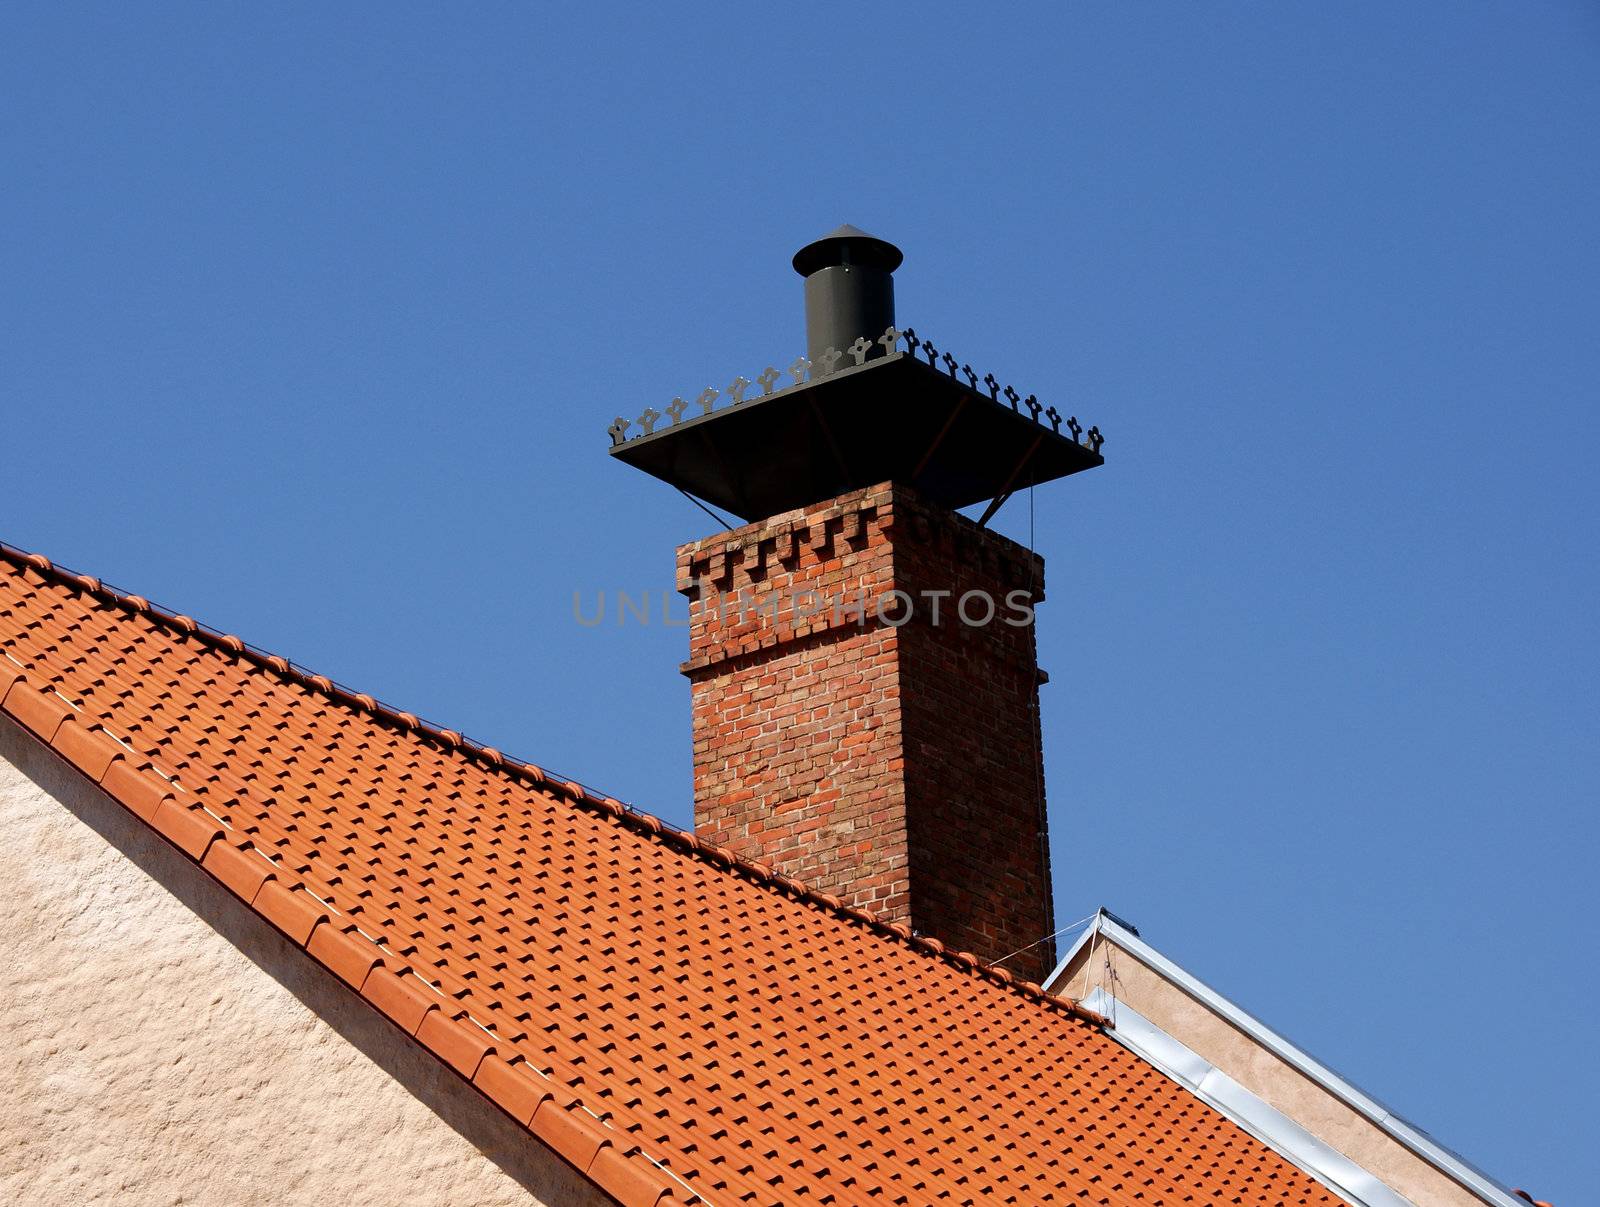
(862, 660)
(865, 692)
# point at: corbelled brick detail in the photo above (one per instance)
(859, 726)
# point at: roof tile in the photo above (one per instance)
(347, 954)
(139, 791)
(568, 1131)
(41, 710)
(629, 1178)
(10, 675)
(403, 999)
(462, 1046)
(242, 871)
(293, 912)
(188, 827)
(91, 751)
(510, 1088)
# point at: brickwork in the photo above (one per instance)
(876, 746)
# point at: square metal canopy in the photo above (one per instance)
(892, 418)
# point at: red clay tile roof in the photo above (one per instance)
(671, 1021)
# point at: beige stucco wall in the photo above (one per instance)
(1271, 1079)
(163, 1045)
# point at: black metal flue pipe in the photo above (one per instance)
(849, 290)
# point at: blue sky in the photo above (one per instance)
(314, 316)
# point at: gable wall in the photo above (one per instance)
(164, 1044)
(1260, 1071)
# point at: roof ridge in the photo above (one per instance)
(686, 842)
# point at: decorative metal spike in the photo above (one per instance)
(912, 342)
(860, 348)
(737, 387)
(676, 408)
(971, 374)
(1076, 429)
(798, 369)
(648, 420)
(618, 426)
(950, 363)
(994, 386)
(889, 339)
(930, 351)
(829, 360)
(1054, 416)
(1012, 397)
(1034, 406)
(707, 399)
(1095, 439)
(768, 377)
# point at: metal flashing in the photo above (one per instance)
(1222, 1093)
(1106, 925)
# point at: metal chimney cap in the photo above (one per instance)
(847, 245)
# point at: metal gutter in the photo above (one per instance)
(1403, 1132)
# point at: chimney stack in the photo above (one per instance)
(862, 664)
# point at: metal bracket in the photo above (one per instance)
(1006, 490)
